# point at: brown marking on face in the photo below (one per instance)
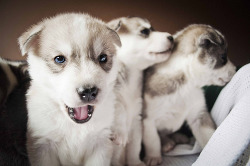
(214, 48)
(53, 66)
(159, 84)
(123, 29)
(131, 25)
(212, 45)
(103, 41)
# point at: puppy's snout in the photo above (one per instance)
(87, 94)
(171, 39)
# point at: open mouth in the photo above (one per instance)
(162, 52)
(81, 114)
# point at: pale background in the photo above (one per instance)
(231, 17)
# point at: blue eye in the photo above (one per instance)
(103, 58)
(60, 59)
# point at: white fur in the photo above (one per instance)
(53, 138)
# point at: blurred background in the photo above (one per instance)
(231, 17)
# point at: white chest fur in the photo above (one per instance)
(170, 111)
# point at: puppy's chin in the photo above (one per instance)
(166, 51)
(156, 57)
(162, 54)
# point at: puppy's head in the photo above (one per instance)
(209, 50)
(141, 45)
(73, 56)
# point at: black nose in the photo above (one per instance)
(170, 38)
(87, 94)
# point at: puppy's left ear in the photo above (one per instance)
(116, 38)
(28, 41)
(205, 40)
(115, 24)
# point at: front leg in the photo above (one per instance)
(152, 143)
(41, 154)
(202, 126)
(119, 129)
(119, 134)
(134, 143)
(100, 154)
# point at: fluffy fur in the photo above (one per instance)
(53, 138)
(173, 91)
(141, 48)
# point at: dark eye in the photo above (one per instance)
(103, 58)
(145, 31)
(59, 59)
(223, 57)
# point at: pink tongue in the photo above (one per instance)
(81, 113)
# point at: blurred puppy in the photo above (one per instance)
(72, 64)
(141, 48)
(173, 91)
(11, 73)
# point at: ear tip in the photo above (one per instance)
(23, 51)
(21, 46)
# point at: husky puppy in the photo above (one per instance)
(141, 48)
(72, 64)
(173, 91)
(11, 73)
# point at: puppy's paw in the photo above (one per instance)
(168, 146)
(152, 161)
(119, 138)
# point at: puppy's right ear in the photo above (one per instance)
(28, 41)
(115, 24)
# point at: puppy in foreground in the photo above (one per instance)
(141, 48)
(72, 64)
(173, 91)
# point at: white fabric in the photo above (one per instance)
(186, 160)
(231, 113)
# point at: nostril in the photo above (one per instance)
(87, 94)
(170, 38)
(94, 91)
